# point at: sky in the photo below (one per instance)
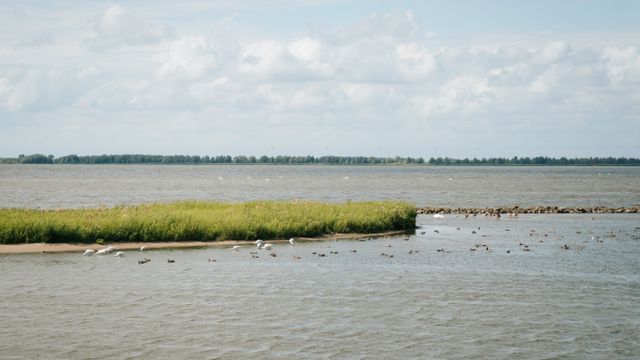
(492, 78)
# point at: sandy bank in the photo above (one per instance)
(56, 248)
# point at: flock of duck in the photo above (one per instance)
(267, 247)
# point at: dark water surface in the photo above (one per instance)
(64, 186)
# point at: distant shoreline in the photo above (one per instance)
(136, 159)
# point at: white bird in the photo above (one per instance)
(119, 254)
(88, 252)
(258, 243)
(141, 248)
(438, 216)
(236, 247)
(291, 241)
(266, 247)
(104, 251)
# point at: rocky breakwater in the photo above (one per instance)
(514, 210)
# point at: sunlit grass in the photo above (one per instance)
(203, 221)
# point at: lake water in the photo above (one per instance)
(502, 303)
(62, 186)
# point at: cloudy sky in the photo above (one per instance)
(313, 77)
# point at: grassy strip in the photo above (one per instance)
(202, 221)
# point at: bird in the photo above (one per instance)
(236, 247)
(141, 248)
(438, 216)
(291, 241)
(266, 247)
(88, 252)
(119, 254)
(104, 251)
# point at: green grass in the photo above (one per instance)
(203, 221)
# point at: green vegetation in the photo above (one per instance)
(203, 221)
(329, 160)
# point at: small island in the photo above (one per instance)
(201, 221)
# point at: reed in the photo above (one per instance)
(203, 221)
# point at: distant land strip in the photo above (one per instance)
(320, 160)
(514, 210)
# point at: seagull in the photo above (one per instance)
(236, 247)
(119, 254)
(258, 243)
(291, 241)
(141, 248)
(438, 216)
(88, 252)
(266, 247)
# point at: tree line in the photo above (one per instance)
(286, 159)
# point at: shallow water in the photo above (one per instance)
(545, 303)
(64, 186)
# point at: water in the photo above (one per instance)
(63, 186)
(547, 303)
(458, 304)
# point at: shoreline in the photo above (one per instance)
(529, 210)
(43, 248)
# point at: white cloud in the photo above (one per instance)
(190, 57)
(306, 49)
(622, 64)
(396, 24)
(380, 75)
(555, 51)
(117, 27)
(414, 61)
